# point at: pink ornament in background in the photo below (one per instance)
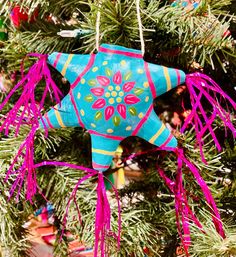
(5, 84)
(175, 119)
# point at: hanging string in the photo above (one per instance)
(140, 27)
(98, 25)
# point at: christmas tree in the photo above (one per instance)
(194, 36)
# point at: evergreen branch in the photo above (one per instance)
(211, 243)
(200, 36)
(218, 7)
(118, 23)
(61, 8)
(41, 38)
(12, 235)
(44, 147)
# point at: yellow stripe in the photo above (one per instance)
(161, 129)
(120, 178)
(167, 76)
(59, 119)
(111, 153)
(63, 72)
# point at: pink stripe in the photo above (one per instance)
(48, 121)
(76, 110)
(178, 76)
(135, 132)
(129, 54)
(105, 135)
(89, 65)
(96, 165)
(167, 141)
(56, 60)
(151, 84)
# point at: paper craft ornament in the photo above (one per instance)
(187, 4)
(111, 95)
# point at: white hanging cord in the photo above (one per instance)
(140, 27)
(98, 25)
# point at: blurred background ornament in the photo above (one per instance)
(3, 30)
(19, 15)
(5, 83)
(188, 5)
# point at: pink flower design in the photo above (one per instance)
(107, 90)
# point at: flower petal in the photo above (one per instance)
(109, 112)
(128, 86)
(117, 78)
(133, 111)
(92, 82)
(98, 115)
(128, 75)
(108, 72)
(138, 91)
(116, 120)
(99, 91)
(100, 103)
(103, 81)
(121, 108)
(88, 98)
(131, 99)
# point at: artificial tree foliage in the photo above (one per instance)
(173, 37)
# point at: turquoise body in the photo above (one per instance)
(112, 96)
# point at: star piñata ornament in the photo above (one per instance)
(111, 95)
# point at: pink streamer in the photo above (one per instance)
(183, 211)
(182, 207)
(200, 85)
(27, 110)
(184, 214)
(26, 171)
(207, 193)
(117, 237)
(103, 217)
(73, 196)
(103, 212)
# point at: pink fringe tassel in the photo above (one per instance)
(103, 212)
(184, 214)
(199, 86)
(206, 191)
(27, 111)
(103, 217)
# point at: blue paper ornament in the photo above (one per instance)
(112, 96)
